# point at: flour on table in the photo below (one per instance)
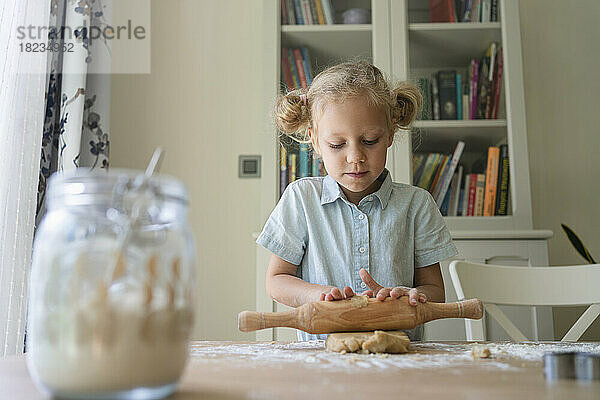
(430, 355)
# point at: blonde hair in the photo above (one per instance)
(297, 111)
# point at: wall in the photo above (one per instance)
(560, 62)
(199, 103)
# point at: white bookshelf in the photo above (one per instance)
(404, 45)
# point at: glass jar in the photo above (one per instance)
(111, 288)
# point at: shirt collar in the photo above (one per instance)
(332, 191)
(385, 191)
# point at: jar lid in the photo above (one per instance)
(87, 185)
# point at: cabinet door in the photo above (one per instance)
(535, 322)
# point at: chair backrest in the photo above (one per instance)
(534, 286)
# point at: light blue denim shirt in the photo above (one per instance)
(390, 233)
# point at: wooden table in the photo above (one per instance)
(286, 371)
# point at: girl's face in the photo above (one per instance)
(352, 139)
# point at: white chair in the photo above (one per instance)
(527, 286)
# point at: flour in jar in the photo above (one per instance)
(130, 332)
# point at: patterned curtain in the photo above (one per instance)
(76, 126)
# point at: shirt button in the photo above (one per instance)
(363, 285)
(361, 217)
(362, 249)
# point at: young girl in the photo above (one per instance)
(354, 230)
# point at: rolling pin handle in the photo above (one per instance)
(472, 309)
(249, 321)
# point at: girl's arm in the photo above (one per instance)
(286, 288)
(428, 280)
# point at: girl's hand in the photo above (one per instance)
(335, 293)
(380, 292)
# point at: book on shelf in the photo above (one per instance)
(425, 87)
(435, 98)
(292, 160)
(454, 190)
(442, 11)
(479, 190)
(296, 68)
(474, 75)
(430, 165)
(472, 93)
(463, 10)
(465, 196)
(503, 182)
(497, 84)
(479, 195)
(459, 112)
(307, 12)
(491, 180)
(303, 161)
(447, 92)
(283, 173)
(447, 176)
(471, 196)
(435, 172)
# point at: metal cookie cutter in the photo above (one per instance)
(587, 366)
(559, 365)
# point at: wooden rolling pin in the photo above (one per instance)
(359, 314)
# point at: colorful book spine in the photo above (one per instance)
(300, 68)
(293, 69)
(500, 64)
(422, 160)
(466, 104)
(447, 92)
(440, 168)
(292, 160)
(303, 162)
(291, 12)
(286, 70)
(503, 182)
(465, 196)
(494, 11)
(284, 13)
(452, 194)
(456, 154)
(315, 164)
(283, 177)
(486, 8)
(473, 91)
(472, 194)
(435, 98)
(491, 181)
(313, 12)
(306, 15)
(442, 11)
(453, 211)
(425, 88)
(459, 111)
(476, 11)
(329, 11)
(320, 13)
(479, 195)
(428, 171)
(444, 205)
(307, 67)
(298, 12)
